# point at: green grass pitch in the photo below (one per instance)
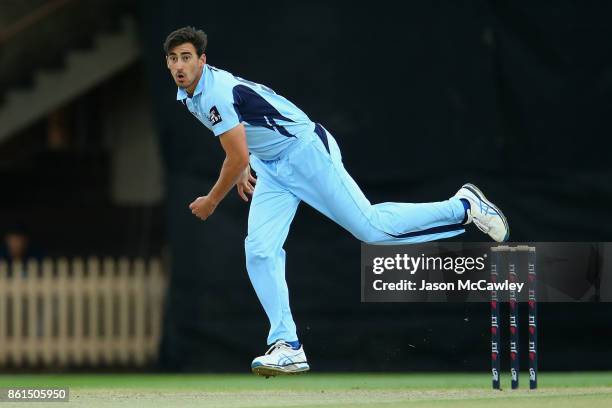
(557, 390)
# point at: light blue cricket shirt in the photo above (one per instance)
(221, 101)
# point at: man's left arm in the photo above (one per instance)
(236, 161)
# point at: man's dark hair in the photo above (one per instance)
(198, 38)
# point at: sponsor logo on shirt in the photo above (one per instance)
(214, 116)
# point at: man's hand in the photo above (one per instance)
(246, 184)
(203, 207)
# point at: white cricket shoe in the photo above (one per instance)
(281, 359)
(486, 216)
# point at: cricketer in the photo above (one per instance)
(295, 159)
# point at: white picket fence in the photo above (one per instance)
(79, 312)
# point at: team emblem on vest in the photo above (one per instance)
(214, 116)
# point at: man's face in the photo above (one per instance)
(17, 244)
(185, 66)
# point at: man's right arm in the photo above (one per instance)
(236, 161)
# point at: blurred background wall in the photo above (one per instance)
(97, 157)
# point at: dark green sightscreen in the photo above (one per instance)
(422, 97)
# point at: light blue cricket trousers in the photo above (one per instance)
(311, 170)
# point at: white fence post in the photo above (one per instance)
(3, 310)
